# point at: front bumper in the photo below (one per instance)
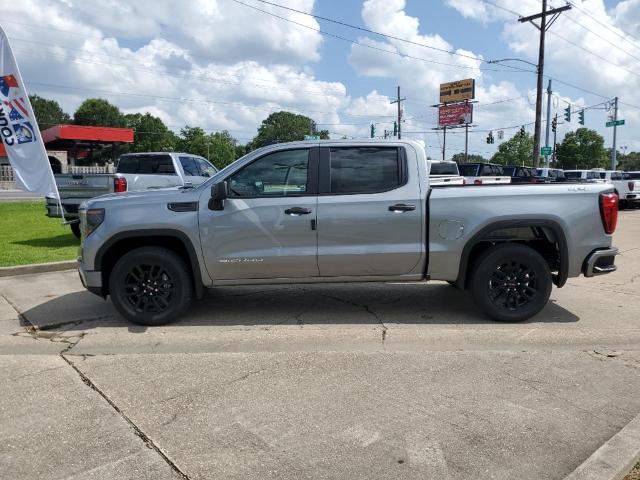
(91, 279)
(600, 262)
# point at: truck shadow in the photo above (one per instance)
(415, 304)
(59, 241)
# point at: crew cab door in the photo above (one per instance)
(267, 227)
(370, 212)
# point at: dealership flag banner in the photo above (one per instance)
(19, 130)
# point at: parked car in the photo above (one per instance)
(442, 173)
(134, 172)
(627, 189)
(483, 174)
(552, 174)
(589, 176)
(523, 174)
(342, 211)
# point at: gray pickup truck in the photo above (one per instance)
(134, 171)
(343, 211)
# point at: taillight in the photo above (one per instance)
(632, 185)
(609, 212)
(477, 181)
(119, 184)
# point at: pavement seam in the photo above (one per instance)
(138, 432)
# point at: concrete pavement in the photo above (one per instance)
(327, 381)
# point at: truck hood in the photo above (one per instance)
(152, 196)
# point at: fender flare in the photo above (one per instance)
(157, 232)
(563, 272)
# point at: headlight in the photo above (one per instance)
(91, 220)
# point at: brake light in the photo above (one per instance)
(609, 212)
(632, 185)
(119, 184)
(477, 181)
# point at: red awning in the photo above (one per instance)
(90, 134)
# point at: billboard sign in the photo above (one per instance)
(458, 91)
(460, 114)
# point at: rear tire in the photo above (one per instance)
(151, 286)
(75, 229)
(511, 283)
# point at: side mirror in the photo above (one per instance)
(219, 191)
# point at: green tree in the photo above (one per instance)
(583, 148)
(218, 147)
(150, 133)
(98, 112)
(459, 158)
(629, 162)
(48, 112)
(518, 150)
(285, 127)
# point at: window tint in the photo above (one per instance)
(634, 175)
(443, 168)
(616, 176)
(189, 166)
(509, 171)
(540, 172)
(468, 170)
(277, 174)
(205, 168)
(487, 171)
(573, 174)
(364, 169)
(146, 164)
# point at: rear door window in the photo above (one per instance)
(467, 170)
(364, 169)
(443, 168)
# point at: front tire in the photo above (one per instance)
(151, 286)
(511, 283)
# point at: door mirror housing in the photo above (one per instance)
(219, 191)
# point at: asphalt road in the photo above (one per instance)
(327, 381)
(19, 195)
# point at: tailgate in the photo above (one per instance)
(84, 185)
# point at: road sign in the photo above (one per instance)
(615, 123)
(458, 91)
(458, 114)
(546, 151)
(312, 137)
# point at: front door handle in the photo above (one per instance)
(296, 211)
(401, 207)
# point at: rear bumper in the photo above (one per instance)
(91, 280)
(600, 262)
(633, 197)
(70, 208)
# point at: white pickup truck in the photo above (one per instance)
(134, 172)
(483, 174)
(444, 173)
(627, 189)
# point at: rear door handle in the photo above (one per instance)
(401, 207)
(296, 211)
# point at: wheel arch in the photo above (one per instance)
(123, 242)
(481, 240)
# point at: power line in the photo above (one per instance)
(608, 26)
(354, 42)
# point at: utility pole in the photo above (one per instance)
(444, 142)
(399, 102)
(546, 139)
(615, 127)
(544, 25)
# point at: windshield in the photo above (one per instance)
(443, 168)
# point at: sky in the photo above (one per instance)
(227, 64)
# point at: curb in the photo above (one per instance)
(38, 268)
(614, 459)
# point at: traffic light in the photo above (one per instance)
(490, 138)
(373, 130)
(581, 117)
(554, 124)
(522, 131)
(395, 128)
(567, 113)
